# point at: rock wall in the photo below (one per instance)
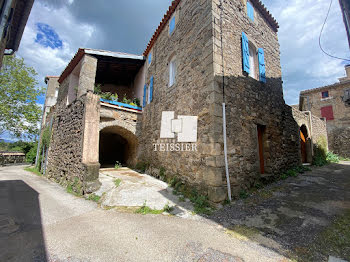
(191, 45)
(250, 103)
(339, 139)
(65, 157)
(12, 158)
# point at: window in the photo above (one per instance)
(150, 94)
(327, 112)
(325, 94)
(172, 72)
(253, 60)
(172, 25)
(150, 58)
(144, 99)
(250, 10)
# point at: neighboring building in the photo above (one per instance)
(13, 19)
(203, 54)
(345, 8)
(332, 103)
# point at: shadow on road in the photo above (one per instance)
(21, 235)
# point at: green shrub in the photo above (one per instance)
(332, 158)
(117, 182)
(117, 165)
(31, 155)
(142, 166)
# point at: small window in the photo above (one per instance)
(172, 25)
(250, 10)
(327, 112)
(325, 94)
(172, 72)
(150, 58)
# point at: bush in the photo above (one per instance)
(332, 158)
(320, 156)
(31, 155)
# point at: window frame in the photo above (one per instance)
(325, 92)
(253, 61)
(172, 20)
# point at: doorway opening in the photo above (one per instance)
(261, 142)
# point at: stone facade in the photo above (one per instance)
(333, 103)
(200, 54)
(66, 152)
(12, 158)
(316, 130)
(203, 50)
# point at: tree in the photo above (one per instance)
(19, 113)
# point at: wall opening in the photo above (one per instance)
(305, 145)
(117, 144)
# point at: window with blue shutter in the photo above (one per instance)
(150, 90)
(150, 58)
(172, 25)
(245, 53)
(250, 10)
(262, 71)
(144, 96)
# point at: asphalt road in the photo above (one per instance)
(39, 221)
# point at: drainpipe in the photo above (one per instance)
(224, 109)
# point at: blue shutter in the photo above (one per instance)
(144, 96)
(150, 58)
(250, 11)
(172, 25)
(245, 53)
(151, 90)
(262, 71)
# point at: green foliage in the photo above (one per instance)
(105, 95)
(74, 188)
(162, 173)
(117, 182)
(31, 155)
(117, 165)
(332, 158)
(137, 102)
(243, 194)
(320, 149)
(142, 166)
(19, 113)
(46, 137)
(33, 170)
(200, 203)
(294, 172)
(126, 100)
(94, 197)
(144, 210)
(341, 158)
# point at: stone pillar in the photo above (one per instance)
(87, 75)
(91, 142)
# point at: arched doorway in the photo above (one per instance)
(305, 145)
(117, 144)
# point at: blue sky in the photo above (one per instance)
(56, 29)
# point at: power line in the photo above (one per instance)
(319, 39)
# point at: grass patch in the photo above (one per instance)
(117, 182)
(344, 158)
(334, 241)
(294, 172)
(144, 210)
(33, 170)
(94, 197)
(117, 165)
(74, 188)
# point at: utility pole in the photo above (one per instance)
(345, 8)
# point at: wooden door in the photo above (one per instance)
(303, 147)
(261, 130)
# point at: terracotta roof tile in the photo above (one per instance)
(257, 3)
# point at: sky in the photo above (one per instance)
(57, 28)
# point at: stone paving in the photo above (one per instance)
(288, 215)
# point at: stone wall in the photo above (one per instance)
(65, 157)
(12, 158)
(191, 44)
(340, 141)
(249, 102)
(315, 126)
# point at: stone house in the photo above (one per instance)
(332, 103)
(212, 115)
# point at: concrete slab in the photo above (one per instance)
(335, 259)
(136, 189)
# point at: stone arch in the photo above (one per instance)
(118, 142)
(305, 144)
